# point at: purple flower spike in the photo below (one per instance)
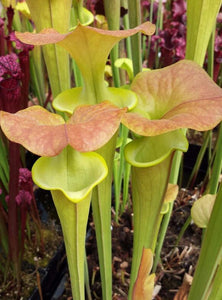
(10, 87)
(179, 8)
(23, 197)
(9, 67)
(25, 179)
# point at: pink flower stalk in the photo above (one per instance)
(9, 67)
(25, 179)
(10, 88)
(23, 197)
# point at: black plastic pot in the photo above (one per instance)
(53, 277)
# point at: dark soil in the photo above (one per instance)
(179, 259)
(176, 260)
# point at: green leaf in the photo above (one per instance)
(68, 100)
(201, 19)
(179, 96)
(56, 14)
(89, 128)
(23, 9)
(201, 210)
(4, 161)
(216, 288)
(81, 14)
(71, 172)
(3, 178)
(125, 64)
(94, 46)
(149, 151)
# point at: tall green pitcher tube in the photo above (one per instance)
(151, 159)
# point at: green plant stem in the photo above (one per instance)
(219, 78)
(3, 232)
(112, 12)
(210, 254)
(86, 275)
(77, 5)
(4, 167)
(151, 20)
(210, 54)
(214, 180)
(174, 174)
(208, 135)
(144, 18)
(199, 159)
(116, 183)
(76, 9)
(77, 74)
(124, 3)
(159, 25)
(166, 218)
(162, 234)
(36, 74)
(56, 58)
(101, 205)
(216, 289)
(73, 218)
(184, 228)
(201, 16)
(120, 173)
(135, 20)
(125, 186)
(209, 170)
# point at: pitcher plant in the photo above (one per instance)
(158, 105)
